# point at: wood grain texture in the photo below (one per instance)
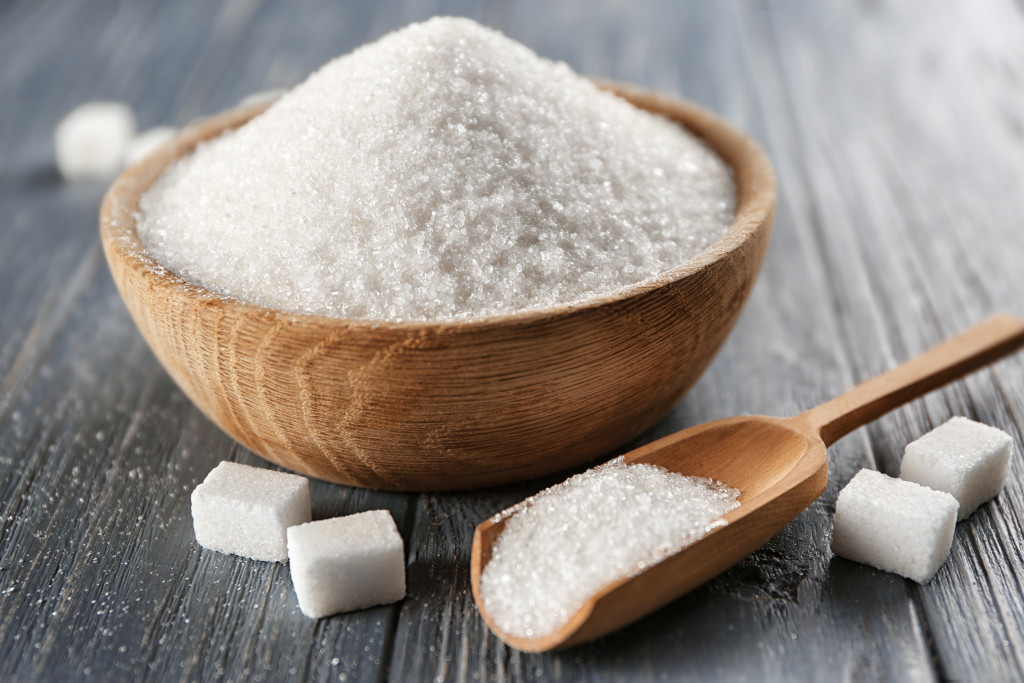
(779, 467)
(434, 406)
(896, 129)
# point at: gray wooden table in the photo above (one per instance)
(897, 131)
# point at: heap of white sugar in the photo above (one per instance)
(571, 540)
(444, 171)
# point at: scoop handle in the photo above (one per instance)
(975, 348)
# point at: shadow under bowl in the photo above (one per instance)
(445, 405)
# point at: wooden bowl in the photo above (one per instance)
(455, 405)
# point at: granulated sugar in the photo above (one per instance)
(442, 172)
(571, 540)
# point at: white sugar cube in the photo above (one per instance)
(145, 142)
(245, 510)
(346, 563)
(91, 140)
(894, 525)
(962, 457)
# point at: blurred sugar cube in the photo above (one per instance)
(92, 139)
(145, 142)
(261, 97)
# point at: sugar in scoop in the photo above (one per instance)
(443, 172)
(569, 541)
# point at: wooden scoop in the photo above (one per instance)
(779, 466)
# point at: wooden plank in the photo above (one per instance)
(920, 238)
(99, 571)
(898, 152)
(785, 613)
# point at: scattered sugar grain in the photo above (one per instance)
(245, 510)
(346, 563)
(569, 541)
(91, 140)
(444, 171)
(145, 142)
(894, 525)
(964, 458)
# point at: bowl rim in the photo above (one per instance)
(749, 165)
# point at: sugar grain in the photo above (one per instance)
(443, 172)
(569, 541)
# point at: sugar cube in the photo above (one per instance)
(962, 457)
(91, 140)
(346, 563)
(145, 142)
(245, 510)
(894, 525)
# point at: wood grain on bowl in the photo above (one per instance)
(433, 405)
